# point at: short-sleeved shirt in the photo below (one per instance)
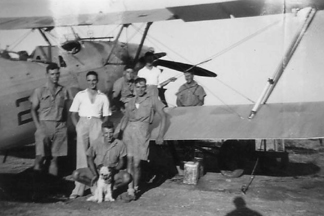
(83, 105)
(124, 88)
(143, 110)
(189, 94)
(107, 155)
(51, 107)
(152, 75)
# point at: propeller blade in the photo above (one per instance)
(159, 55)
(182, 67)
(156, 57)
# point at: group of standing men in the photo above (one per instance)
(97, 142)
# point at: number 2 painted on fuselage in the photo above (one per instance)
(21, 114)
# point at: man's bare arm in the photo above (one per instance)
(121, 163)
(124, 121)
(159, 140)
(34, 113)
(74, 118)
(201, 100)
(179, 104)
(166, 82)
(105, 118)
(93, 169)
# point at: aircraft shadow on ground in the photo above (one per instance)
(271, 167)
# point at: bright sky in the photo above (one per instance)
(244, 66)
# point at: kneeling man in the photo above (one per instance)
(106, 151)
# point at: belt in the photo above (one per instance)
(90, 117)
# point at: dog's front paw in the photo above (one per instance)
(92, 199)
(109, 198)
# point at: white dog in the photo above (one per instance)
(103, 191)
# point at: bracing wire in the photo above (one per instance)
(241, 41)
(138, 29)
(18, 41)
(111, 32)
(151, 39)
(228, 86)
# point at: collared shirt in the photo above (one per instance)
(143, 109)
(83, 105)
(190, 94)
(107, 155)
(151, 75)
(124, 88)
(51, 106)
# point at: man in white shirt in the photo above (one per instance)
(92, 106)
(152, 75)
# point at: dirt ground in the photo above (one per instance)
(297, 190)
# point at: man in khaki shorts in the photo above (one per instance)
(92, 107)
(48, 112)
(140, 111)
(106, 151)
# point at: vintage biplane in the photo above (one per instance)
(266, 119)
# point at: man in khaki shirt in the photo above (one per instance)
(140, 111)
(106, 151)
(48, 111)
(123, 89)
(190, 93)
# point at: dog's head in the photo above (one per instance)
(105, 173)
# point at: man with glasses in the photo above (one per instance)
(106, 151)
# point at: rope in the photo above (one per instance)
(246, 187)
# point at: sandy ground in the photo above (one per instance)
(297, 190)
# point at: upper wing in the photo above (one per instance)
(8, 23)
(218, 9)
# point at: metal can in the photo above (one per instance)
(191, 172)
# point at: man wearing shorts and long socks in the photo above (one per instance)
(139, 114)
